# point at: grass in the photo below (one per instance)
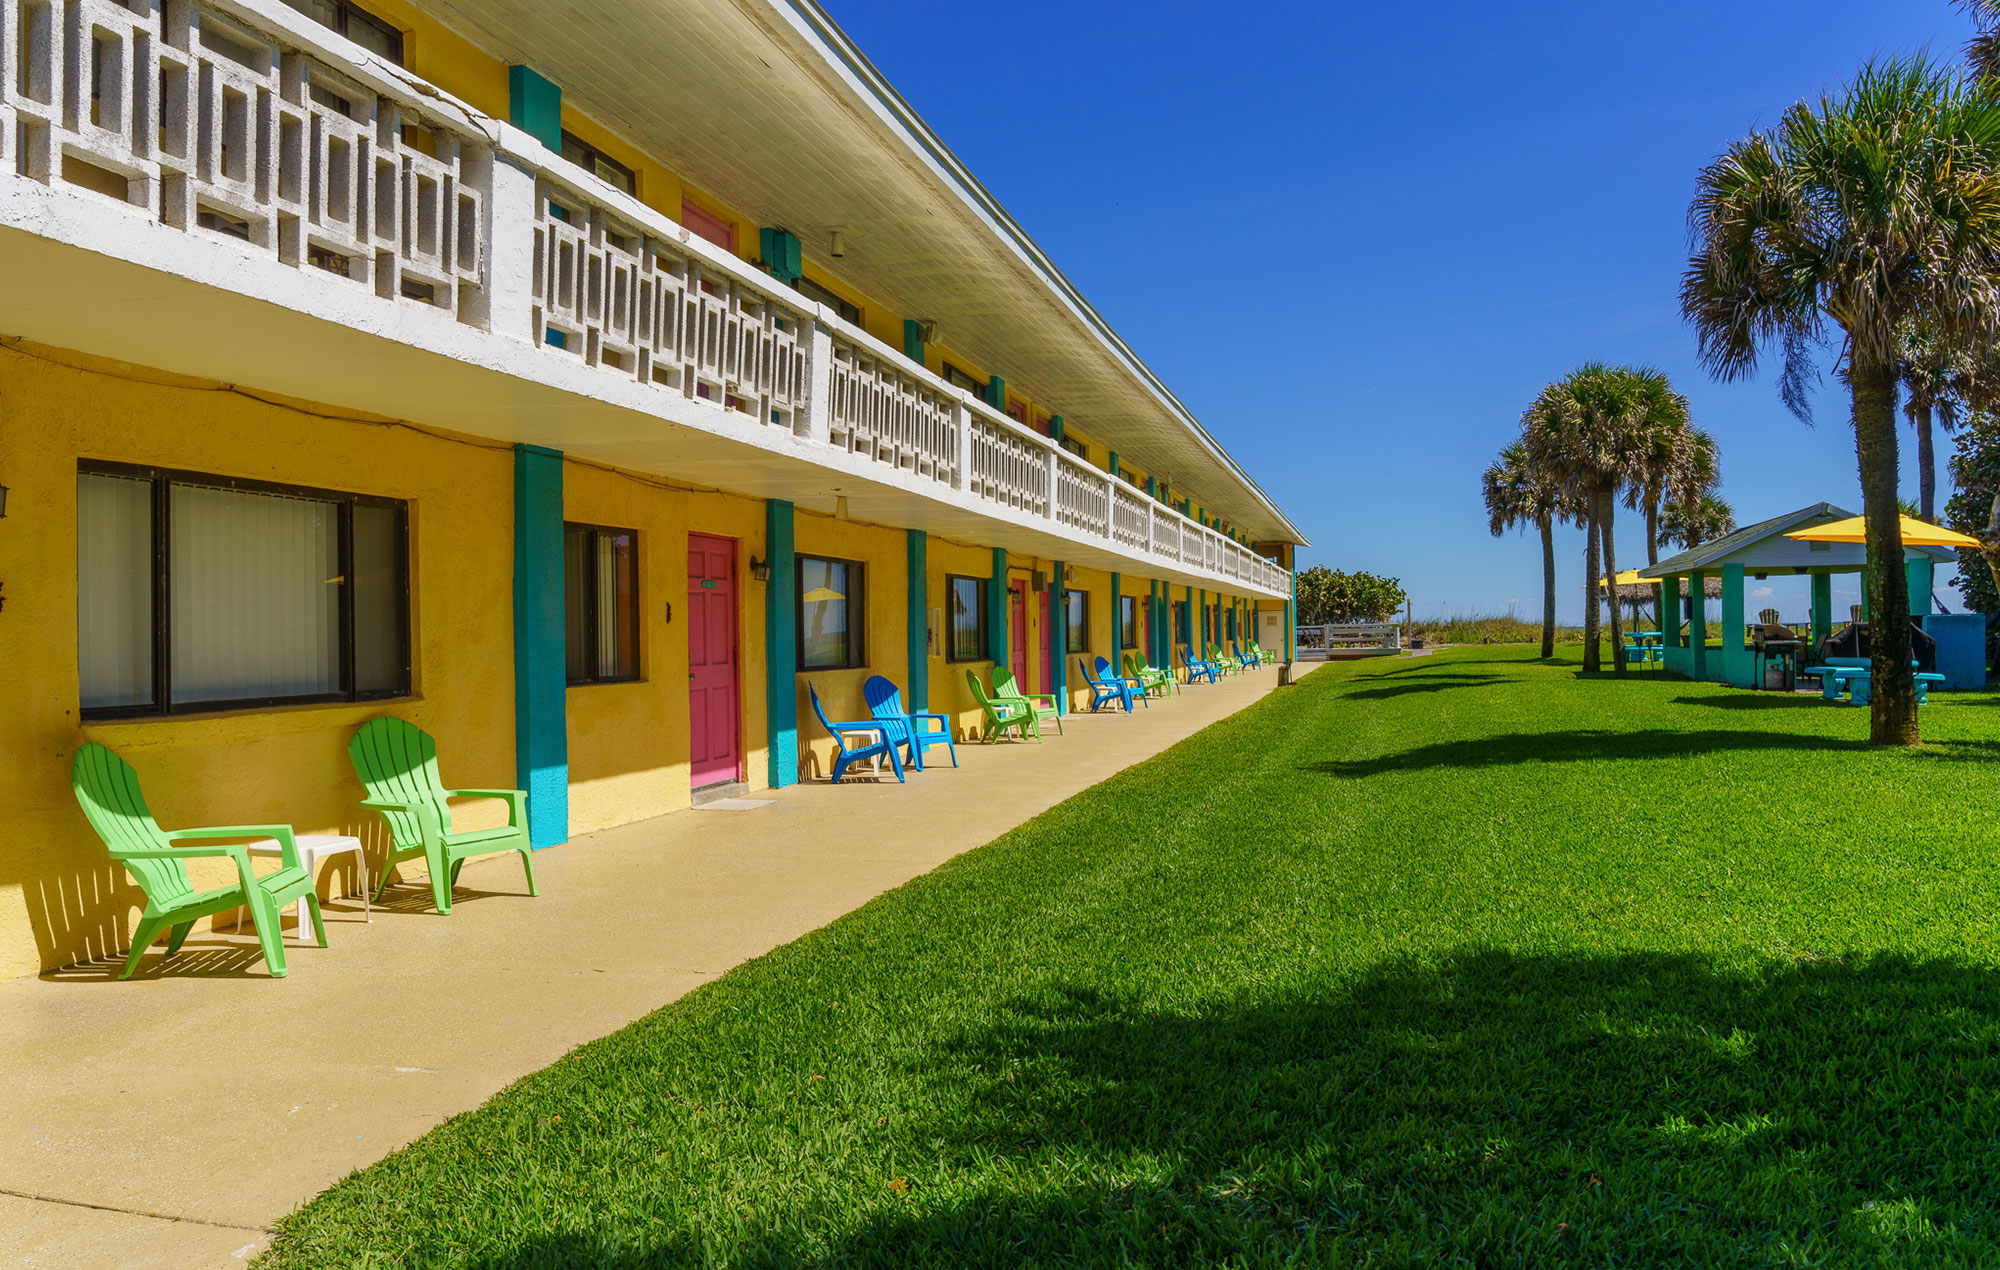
(1467, 960)
(1505, 629)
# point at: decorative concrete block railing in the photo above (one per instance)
(245, 120)
(208, 122)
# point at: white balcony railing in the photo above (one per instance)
(245, 120)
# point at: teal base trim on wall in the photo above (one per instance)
(918, 590)
(541, 666)
(781, 645)
(996, 610)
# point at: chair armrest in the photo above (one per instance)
(944, 724)
(288, 847)
(384, 804)
(516, 799)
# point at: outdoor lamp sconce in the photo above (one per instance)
(3, 502)
(760, 570)
(839, 243)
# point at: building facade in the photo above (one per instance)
(588, 383)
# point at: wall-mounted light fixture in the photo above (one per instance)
(839, 243)
(3, 502)
(839, 505)
(760, 570)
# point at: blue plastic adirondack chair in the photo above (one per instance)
(912, 731)
(1244, 659)
(853, 753)
(1135, 688)
(1105, 692)
(1197, 668)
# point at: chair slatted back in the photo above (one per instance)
(1105, 671)
(1005, 686)
(978, 691)
(821, 712)
(885, 699)
(107, 789)
(396, 761)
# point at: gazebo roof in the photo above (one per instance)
(1763, 548)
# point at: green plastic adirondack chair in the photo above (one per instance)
(1227, 664)
(1148, 676)
(1002, 716)
(107, 789)
(397, 763)
(1007, 691)
(1262, 656)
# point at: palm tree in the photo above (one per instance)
(1680, 466)
(1519, 494)
(1934, 377)
(1982, 51)
(1869, 211)
(1688, 525)
(1589, 431)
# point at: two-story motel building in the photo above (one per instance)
(578, 380)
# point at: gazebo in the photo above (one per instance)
(1760, 551)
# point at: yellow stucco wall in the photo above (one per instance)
(60, 898)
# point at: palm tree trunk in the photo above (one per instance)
(1547, 524)
(1652, 530)
(1892, 717)
(1591, 575)
(1926, 464)
(1608, 497)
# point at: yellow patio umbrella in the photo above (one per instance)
(821, 594)
(1915, 534)
(1630, 577)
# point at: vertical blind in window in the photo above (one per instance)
(255, 595)
(600, 604)
(967, 622)
(1076, 626)
(114, 601)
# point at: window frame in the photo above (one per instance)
(1076, 629)
(345, 11)
(160, 532)
(857, 613)
(597, 155)
(959, 378)
(593, 629)
(979, 611)
(848, 311)
(1128, 622)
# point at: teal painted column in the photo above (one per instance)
(996, 611)
(1056, 426)
(784, 259)
(917, 584)
(1698, 623)
(1920, 576)
(1736, 659)
(996, 394)
(534, 105)
(541, 664)
(781, 645)
(1111, 464)
(1059, 637)
(1673, 649)
(1822, 607)
(913, 340)
(1186, 629)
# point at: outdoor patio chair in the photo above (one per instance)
(885, 703)
(885, 740)
(396, 762)
(107, 789)
(1002, 716)
(1132, 683)
(1196, 668)
(1244, 659)
(1269, 659)
(1104, 692)
(1768, 617)
(1225, 665)
(1152, 677)
(1007, 690)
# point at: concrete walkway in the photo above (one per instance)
(168, 1121)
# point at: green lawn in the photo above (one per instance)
(1463, 960)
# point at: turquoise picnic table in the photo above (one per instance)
(1846, 680)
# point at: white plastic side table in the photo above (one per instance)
(313, 848)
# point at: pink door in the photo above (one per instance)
(714, 704)
(1047, 678)
(1017, 642)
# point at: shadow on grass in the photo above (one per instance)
(1485, 1108)
(1580, 746)
(1755, 701)
(1429, 683)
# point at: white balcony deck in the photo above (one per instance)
(229, 190)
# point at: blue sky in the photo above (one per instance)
(1357, 239)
